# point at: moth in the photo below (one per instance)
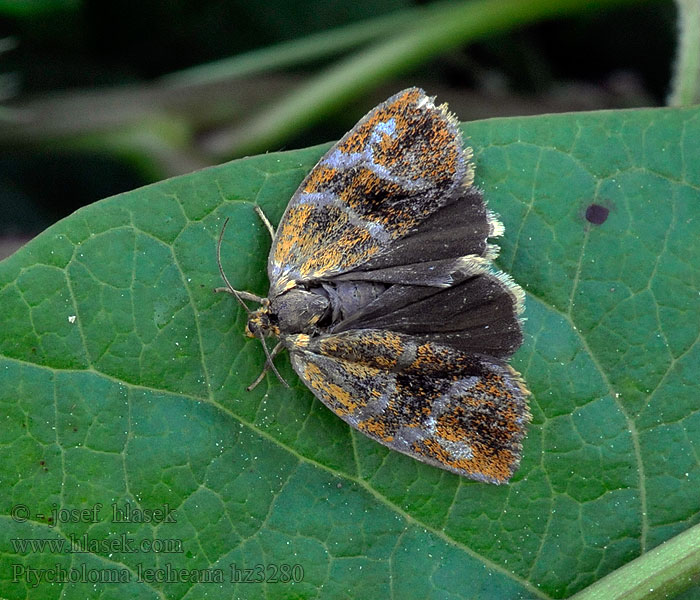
(383, 291)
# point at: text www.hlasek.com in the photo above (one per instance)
(86, 545)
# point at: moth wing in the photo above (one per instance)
(398, 165)
(478, 312)
(463, 413)
(441, 283)
(459, 228)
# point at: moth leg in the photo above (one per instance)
(243, 295)
(265, 221)
(267, 367)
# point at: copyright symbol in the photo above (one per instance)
(19, 513)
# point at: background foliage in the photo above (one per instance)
(103, 97)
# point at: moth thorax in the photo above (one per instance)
(299, 311)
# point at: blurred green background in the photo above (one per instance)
(102, 97)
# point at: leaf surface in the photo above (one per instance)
(122, 381)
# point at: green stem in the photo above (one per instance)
(295, 52)
(663, 572)
(451, 26)
(685, 88)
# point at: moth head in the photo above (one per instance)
(260, 323)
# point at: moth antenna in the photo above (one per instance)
(265, 221)
(269, 365)
(229, 287)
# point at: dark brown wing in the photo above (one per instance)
(478, 313)
(441, 285)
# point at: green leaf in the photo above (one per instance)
(123, 381)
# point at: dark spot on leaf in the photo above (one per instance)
(597, 214)
(42, 462)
